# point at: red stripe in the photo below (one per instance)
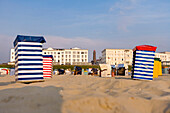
(47, 76)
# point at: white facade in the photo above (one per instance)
(117, 56)
(73, 56)
(12, 55)
(164, 56)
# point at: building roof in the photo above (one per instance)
(115, 49)
(51, 49)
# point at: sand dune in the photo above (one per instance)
(86, 94)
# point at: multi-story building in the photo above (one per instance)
(73, 56)
(164, 56)
(12, 55)
(117, 56)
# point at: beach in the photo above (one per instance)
(85, 94)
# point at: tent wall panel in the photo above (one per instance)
(47, 66)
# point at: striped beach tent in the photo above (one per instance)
(143, 62)
(47, 66)
(28, 58)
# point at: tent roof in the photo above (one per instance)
(22, 38)
(145, 48)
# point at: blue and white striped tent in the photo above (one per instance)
(28, 58)
(143, 62)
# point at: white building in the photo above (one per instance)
(73, 56)
(117, 56)
(164, 56)
(12, 55)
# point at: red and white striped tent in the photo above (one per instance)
(47, 66)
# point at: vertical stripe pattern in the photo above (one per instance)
(47, 66)
(28, 61)
(143, 62)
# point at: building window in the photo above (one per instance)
(58, 52)
(44, 52)
(122, 59)
(78, 52)
(77, 60)
(58, 60)
(78, 56)
(82, 52)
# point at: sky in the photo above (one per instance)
(88, 24)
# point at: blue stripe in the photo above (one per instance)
(144, 64)
(29, 54)
(32, 64)
(142, 74)
(145, 54)
(144, 71)
(33, 78)
(143, 67)
(145, 61)
(30, 50)
(134, 77)
(146, 51)
(145, 57)
(29, 45)
(16, 49)
(30, 68)
(30, 59)
(48, 56)
(30, 73)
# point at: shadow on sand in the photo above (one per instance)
(31, 99)
(6, 83)
(123, 77)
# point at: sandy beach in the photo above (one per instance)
(85, 94)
